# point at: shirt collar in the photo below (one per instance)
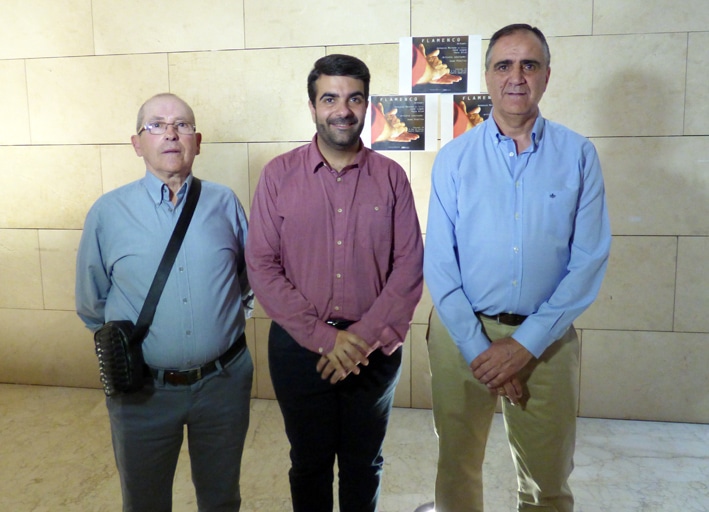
(159, 191)
(537, 130)
(316, 161)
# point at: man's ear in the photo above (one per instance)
(135, 141)
(198, 139)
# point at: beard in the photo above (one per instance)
(338, 138)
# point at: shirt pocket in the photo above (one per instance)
(559, 213)
(374, 225)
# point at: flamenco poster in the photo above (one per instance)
(402, 122)
(462, 112)
(440, 64)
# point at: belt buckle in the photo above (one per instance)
(198, 373)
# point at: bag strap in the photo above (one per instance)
(168, 259)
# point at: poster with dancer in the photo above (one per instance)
(440, 64)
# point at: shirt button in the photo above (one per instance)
(182, 269)
(338, 276)
(337, 308)
(376, 208)
(320, 350)
(516, 216)
(339, 179)
(515, 249)
(184, 301)
(511, 154)
(339, 210)
(514, 283)
(188, 333)
(339, 242)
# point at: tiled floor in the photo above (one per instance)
(55, 455)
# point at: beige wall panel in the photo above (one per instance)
(402, 394)
(697, 103)
(45, 28)
(264, 387)
(382, 61)
(48, 186)
(692, 296)
(46, 348)
(638, 290)
(610, 85)
(656, 186)
(227, 164)
(457, 17)
(424, 307)
(638, 16)
(91, 100)
(420, 369)
(645, 376)
(57, 252)
(262, 153)
(421, 164)
(255, 96)
(13, 103)
(120, 165)
(322, 22)
(20, 271)
(135, 26)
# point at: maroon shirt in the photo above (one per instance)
(323, 245)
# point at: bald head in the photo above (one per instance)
(141, 113)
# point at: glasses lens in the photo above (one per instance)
(159, 128)
(185, 128)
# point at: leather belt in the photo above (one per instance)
(338, 324)
(189, 377)
(510, 319)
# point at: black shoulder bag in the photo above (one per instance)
(119, 343)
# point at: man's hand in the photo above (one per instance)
(512, 390)
(499, 363)
(350, 351)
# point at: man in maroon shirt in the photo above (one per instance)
(334, 255)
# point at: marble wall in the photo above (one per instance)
(626, 73)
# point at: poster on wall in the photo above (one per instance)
(402, 122)
(440, 64)
(462, 112)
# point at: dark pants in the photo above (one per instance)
(147, 429)
(347, 420)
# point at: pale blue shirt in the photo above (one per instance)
(516, 233)
(206, 299)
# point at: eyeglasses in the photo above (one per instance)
(159, 127)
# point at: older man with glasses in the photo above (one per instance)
(199, 371)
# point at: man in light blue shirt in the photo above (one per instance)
(195, 348)
(516, 247)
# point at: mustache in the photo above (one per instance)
(346, 119)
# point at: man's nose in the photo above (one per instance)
(171, 132)
(517, 74)
(344, 108)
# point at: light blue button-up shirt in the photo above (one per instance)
(206, 299)
(516, 233)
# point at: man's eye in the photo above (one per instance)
(155, 125)
(180, 125)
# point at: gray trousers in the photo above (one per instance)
(147, 429)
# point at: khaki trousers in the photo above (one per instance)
(541, 431)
